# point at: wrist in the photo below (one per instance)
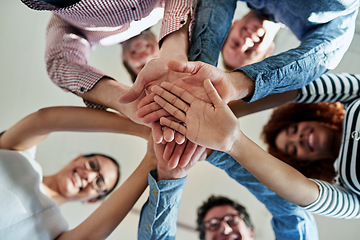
(243, 85)
(163, 174)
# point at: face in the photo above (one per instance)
(250, 40)
(227, 230)
(87, 178)
(308, 140)
(139, 50)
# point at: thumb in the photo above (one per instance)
(213, 94)
(184, 67)
(134, 92)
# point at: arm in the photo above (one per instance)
(289, 221)
(226, 136)
(321, 49)
(174, 44)
(35, 127)
(343, 87)
(159, 214)
(114, 209)
(66, 56)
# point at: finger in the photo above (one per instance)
(146, 100)
(179, 138)
(213, 94)
(187, 154)
(174, 111)
(177, 153)
(169, 149)
(199, 155)
(173, 125)
(168, 134)
(155, 116)
(184, 67)
(177, 91)
(157, 132)
(134, 92)
(175, 99)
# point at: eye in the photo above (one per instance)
(92, 165)
(292, 129)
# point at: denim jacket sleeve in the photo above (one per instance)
(320, 50)
(212, 23)
(159, 213)
(289, 220)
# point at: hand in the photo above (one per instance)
(154, 72)
(210, 125)
(230, 86)
(167, 172)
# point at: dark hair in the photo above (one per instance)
(118, 173)
(331, 114)
(214, 201)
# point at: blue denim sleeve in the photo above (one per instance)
(159, 213)
(289, 220)
(320, 50)
(213, 20)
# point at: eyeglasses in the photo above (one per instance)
(214, 223)
(92, 164)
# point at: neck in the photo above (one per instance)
(51, 189)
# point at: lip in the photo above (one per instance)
(310, 140)
(76, 179)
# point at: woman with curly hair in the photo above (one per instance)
(318, 135)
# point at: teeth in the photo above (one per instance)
(311, 137)
(78, 180)
(249, 42)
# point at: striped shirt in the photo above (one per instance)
(342, 199)
(73, 31)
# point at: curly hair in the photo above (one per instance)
(331, 114)
(214, 201)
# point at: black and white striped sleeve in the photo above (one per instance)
(343, 87)
(335, 201)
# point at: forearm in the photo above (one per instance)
(319, 51)
(158, 217)
(289, 221)
(113, 210)
(66, 56)
(35, 127)
(278, 176)
(241, 108)
(213, 20)
(175, 46)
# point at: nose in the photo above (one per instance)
(225, 229)
(297, 139)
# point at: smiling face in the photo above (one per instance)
(227, 230)
(250, 40)
(86, 178)
(308, 141)
(138, 50)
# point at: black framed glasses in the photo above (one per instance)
(92, 164)
(214, 223)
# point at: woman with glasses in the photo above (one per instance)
(29, 201)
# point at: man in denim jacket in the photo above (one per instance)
(289, 220)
